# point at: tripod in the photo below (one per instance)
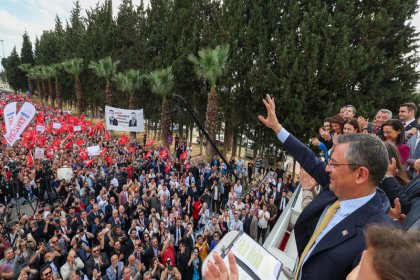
(47, 172)
(16, 199)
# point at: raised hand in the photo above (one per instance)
(271, 120)
(218, 270)
(306, 180)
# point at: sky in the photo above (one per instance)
(34, 16)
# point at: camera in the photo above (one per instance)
(14, 167)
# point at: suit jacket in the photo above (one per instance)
(111, 274)
(341, 248)
(407, 194)
(253, 228)
(90, 265)
(92, 216)
(122, 200)
(411, 125)
(414, 152)
(132, 123)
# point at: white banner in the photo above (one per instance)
(93, 151)
(124, 120)
(56, 125)
(39, 153)
(21, 121)
(77, 128)
(64, 173)
(40, 128)
(9, 114)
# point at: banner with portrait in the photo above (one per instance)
(124, 119)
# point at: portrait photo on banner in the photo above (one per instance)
(124, 119)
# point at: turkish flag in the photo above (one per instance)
(164, 153)
(149, 152)
(80, 142)
(83, 155)
(56, 142)
(150, 142)
(89, 162)
(103, 152)
(29, 159)
(91, 132)
(69, 144)
(132, 149)
(107, 136)
(168, 166)
(108, 160)
(184, 155)
(123, 139)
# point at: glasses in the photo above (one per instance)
(334, 165)
(95, 251)
(47, 273)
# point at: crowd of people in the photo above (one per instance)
(370, 181)
(135, 211)
(132, 211)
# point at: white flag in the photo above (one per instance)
(9, 114)
(93, 151)
(20, 122)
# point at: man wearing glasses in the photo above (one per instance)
(98, 261)
(330, 231)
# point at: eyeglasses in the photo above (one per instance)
(95, 251)
(47, 273)
(334, 165)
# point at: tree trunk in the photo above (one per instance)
(240, 145)
(211, 122)
(52, 92)
(235, 143)
(201, 137)
(155, 130)
(131, 105)
(191, 134)
(186, 133)
(108, 93)
(181, 130)
(38, 89)
(44, 91)
(79, 96)
(30, 86)
(58, 93)
(165, 121)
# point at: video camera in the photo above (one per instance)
(46, 164)
(14, 167)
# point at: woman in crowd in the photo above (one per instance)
(351, 126)
(394, 133)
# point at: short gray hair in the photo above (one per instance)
(386, 111)
(368, 151)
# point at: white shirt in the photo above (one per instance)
(262, 222)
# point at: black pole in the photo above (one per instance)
(185, 107)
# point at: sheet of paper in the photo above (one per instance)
(256, 258)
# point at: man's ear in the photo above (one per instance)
(362, 175)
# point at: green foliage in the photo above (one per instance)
(73, 66)
(128, 81)
(210, 63)
(104, 68)
(161, 81)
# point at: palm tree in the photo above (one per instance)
(105, 68)
(162, 82)
(34, 74)
(55, 71)
(26, 67)
(74, 66)
(128, 83)
(210, 65)
(43, 76)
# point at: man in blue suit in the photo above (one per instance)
(356, 166)
(114, 271)
(413, 143)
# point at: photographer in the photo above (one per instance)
(82, 241)
(170, 272)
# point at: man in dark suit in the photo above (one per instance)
(413, 143)
(330, 230)
(97, 260)
(112, 119)
(133, 121)
(178, 232)
(283, 202)
(407, 115)
(189, 238)
(96, 212)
